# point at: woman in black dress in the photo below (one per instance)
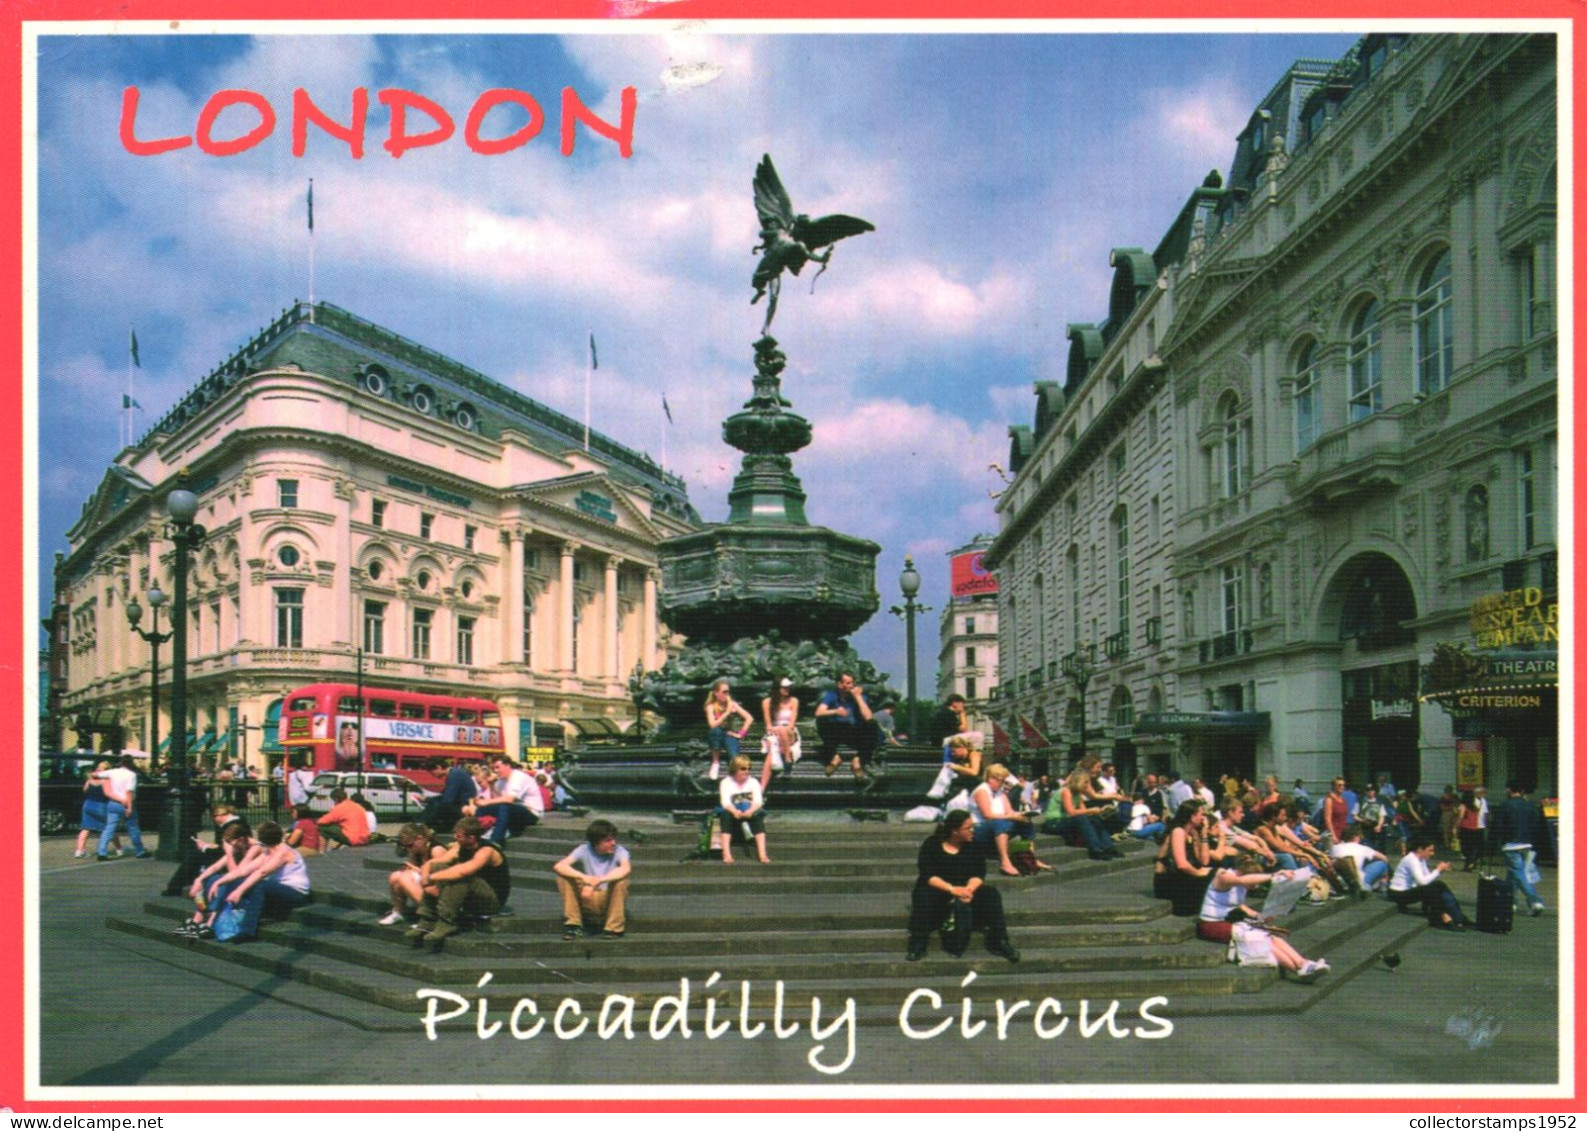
(953, 878)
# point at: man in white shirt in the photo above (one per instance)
(1371, 865)
(1176, 792)
(300, 783)
(121, 792)
(515, 802)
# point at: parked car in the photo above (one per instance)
(61, 778)
(392, 795)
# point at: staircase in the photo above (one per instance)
(824, 920)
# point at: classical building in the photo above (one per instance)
(967, 632)
(1356, 359)
(362, 492)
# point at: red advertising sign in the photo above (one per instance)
(971, 578)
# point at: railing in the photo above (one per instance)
(1116, 646)
(1154, 630)
(1033, 680)
(1225, 645)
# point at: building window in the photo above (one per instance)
(377, 512)
(1233, 598)
(1121, 555)
(426, 526)
(288, 556)
(465, 640)
(198, 629)
(287, 492)
(577, 620)
(375, 627)
(1434, 328)
(969, 624)
(289, 618)
(1528, 500)
(214, 620)
(469, 533)
(528, 629)
(1308, 418)
(578, 570)
(423, 620)
(969, 687)
(1074, 597)
(969, 657)
(1537, 289)
(1155, 519)
(1366, 364)
(1118, 463)
(1236, 450)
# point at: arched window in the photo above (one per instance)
(1308, 417)
(1366, 364)
(1435, 327)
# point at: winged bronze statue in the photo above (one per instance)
(789, 241)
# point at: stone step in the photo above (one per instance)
(394, 982)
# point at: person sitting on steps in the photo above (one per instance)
(593, 881)
(951, 881)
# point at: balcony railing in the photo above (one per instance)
(1033, 680)
(1154, 630)
(1117, 646)
(1225, 645)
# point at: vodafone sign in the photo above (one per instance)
(971, 578)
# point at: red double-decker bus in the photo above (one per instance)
(409, 732)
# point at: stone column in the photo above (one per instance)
(565, 599)
(512, 632)
(612, 623)
(648, 626)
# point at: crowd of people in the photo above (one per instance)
(1212, 848)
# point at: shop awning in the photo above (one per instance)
(1204, 722)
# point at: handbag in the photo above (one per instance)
(939, 788)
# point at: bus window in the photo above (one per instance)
(441, 714)
(383, 708)
(467, 715)
(492, 718)
(347, 705)
(304, 703)
(413, 710)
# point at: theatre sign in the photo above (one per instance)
(1511, 664)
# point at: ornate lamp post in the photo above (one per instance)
(156, 598)
(1079, 667)
(182, 506)
(909, 585)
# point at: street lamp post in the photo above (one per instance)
(909, 585)
(1079, 667)
(182, 507)
(156, 598)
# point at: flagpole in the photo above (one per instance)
(126, 403)
(666, 418)
(589, 364)
(311, 249)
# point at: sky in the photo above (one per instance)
(999, 170)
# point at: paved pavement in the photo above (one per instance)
(1468, 1011)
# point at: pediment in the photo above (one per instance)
(118, 488)
(597, 499)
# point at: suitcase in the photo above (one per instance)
(1495, 905)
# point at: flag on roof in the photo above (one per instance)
(594, 361)
(134, 347)
(311, 204)
(666, 408)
